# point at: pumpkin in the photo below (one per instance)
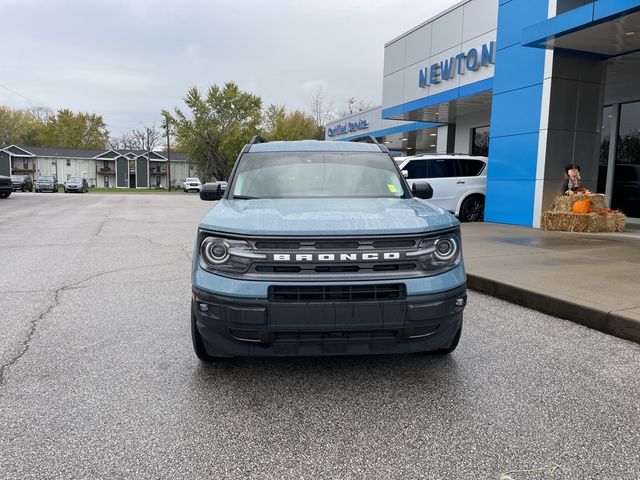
(581, 206)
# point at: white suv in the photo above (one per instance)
(459, 182)
(192, 183)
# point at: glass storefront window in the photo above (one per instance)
(480, 141)
(626, 177)
(607, 116)
(566, 5)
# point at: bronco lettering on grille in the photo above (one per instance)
(334, 257)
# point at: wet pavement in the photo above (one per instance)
(99, 379)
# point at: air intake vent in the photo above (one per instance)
(336, 245)
(275, 245)
(339, 293)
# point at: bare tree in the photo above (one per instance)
(354, 105)
(321, 109)
(146, 139)
(41, 113)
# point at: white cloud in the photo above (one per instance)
(129, 59)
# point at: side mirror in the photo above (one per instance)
(405, 173)
(422, 190)
(211, 192)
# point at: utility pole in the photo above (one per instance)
(166, 126)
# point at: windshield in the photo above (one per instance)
(74, 180)
(16, 177)
(192, 180)
(45, 179)
(317, 174)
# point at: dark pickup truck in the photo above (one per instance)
(6, 186)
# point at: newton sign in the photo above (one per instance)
(462, 63)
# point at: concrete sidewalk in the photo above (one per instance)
(589, 278)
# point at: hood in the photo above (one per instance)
(327, 216)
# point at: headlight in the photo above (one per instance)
(227, 255)
(438, 253)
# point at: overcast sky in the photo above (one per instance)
(128, 59)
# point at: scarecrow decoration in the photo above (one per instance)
(579, 210)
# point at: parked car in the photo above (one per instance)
(6, 186)
(321, 248)
(192, 184)
(46, 182)
(76, 184)
(459, 182)
(23, 183)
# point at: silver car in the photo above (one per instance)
(76, 184)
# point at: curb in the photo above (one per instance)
(613, 323)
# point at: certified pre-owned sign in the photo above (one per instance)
(348, 127)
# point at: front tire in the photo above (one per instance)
(5, 195)
(198, 343)
(472, 209)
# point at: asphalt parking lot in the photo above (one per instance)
(98, 377)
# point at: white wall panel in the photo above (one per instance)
(394, 57)
(480, 16)
(418, 45)
(447, 31)
(393, 89)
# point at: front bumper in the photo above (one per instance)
(231, 326)
(6, 189)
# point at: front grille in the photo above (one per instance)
(361, 258)
(337, 293)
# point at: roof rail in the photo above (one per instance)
(257, 139)
(366, 139)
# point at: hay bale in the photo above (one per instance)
(607, 221)
(588, 223)
(598, 201)
(564, 203)
(564, 222)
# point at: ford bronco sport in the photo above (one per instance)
(321, 248)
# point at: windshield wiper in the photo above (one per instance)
(244, 197)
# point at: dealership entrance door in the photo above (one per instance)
(619, 170)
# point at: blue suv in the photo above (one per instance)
(321, 248)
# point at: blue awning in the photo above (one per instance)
(606, 28)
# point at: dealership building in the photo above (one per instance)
(533, 84)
